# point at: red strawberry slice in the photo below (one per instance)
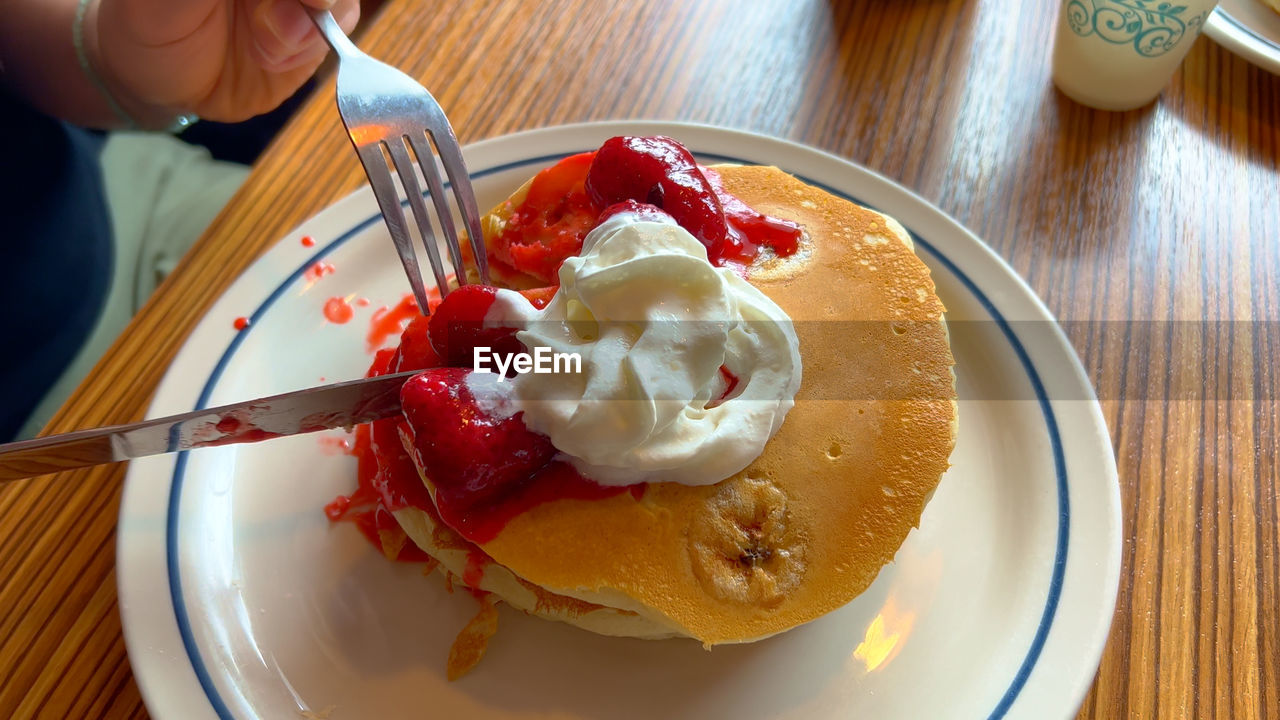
(470, 456)
(539, 297)
(550, 223)
(457, 327)
(661, 172)
(415, 351)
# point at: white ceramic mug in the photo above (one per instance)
(1119, 54)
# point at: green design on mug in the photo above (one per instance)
(1153, 27)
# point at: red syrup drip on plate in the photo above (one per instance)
(338, 311)
(334, 444)
(386, 474)
(308, 241)
(240, 323)
(318, 270)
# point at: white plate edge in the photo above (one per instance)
(1227, 31)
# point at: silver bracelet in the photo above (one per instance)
(179, 123)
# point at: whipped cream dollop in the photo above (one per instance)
(654, 323)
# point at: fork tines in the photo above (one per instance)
(373, 156)
(386, 111)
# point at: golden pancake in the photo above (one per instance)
(809, 524)
(474, 569)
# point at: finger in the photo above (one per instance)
(160, 22)
(347, 13)
(319, 4)
(309, 59)
(281, 30)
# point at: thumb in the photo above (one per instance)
(284, 34)
(159, 22)
(281, 29)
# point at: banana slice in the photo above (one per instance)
(747, 548)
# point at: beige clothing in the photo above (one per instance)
(162, 193)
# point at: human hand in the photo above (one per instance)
(224, 60)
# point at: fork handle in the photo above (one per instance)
(332, 32)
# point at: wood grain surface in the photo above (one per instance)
(1169, 216)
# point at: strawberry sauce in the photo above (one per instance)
(334, 444)
(338, 311)
(659, 171)
(487, 470)
(473, 573)
(318, 270)
(229, 430)
(391, 321)
(386, 479)
(730, 384)
(551, 222)
(555, 481)
(366, 507)
(753, 229)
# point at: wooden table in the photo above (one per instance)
(1166, 214)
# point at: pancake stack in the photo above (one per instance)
(808, 525)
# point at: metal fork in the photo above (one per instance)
(385, 110)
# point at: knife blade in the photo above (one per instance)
(324, 407)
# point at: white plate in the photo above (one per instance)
(239, 600)
(1249, 29)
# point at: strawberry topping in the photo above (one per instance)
(549, 225)
(487, 469)
(661, 172)
(457, 327)
(469, 455)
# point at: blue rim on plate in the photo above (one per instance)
(1059, 460)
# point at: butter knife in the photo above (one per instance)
(341, 404)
